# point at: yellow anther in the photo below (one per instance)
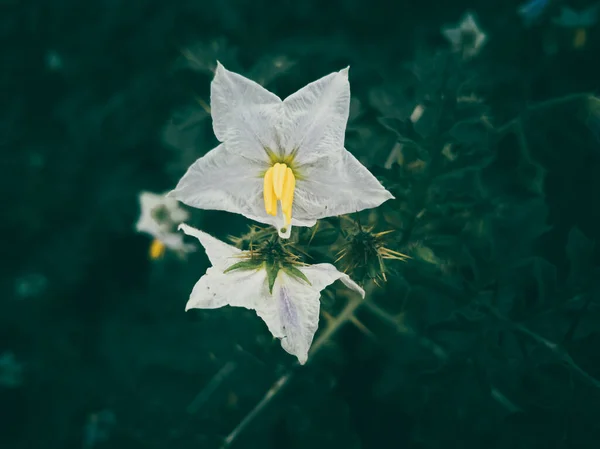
(287, 195)
(157, 249)
(279, 184)
(580, 38)
(279, 173)
(269, 193)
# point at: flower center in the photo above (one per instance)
(157, 249)
(580, 38)
(279, 185)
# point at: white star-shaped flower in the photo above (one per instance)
(159, 217)
(466, 38)
(287, 298)
(280, 162)
(569, 18)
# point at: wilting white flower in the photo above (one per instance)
(285, 296)
(159, 217)
(580, 21)
(570, 18)
(280, 162)
(466, 38)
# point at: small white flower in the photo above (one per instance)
(281, 163)
(580, 21)
(286, 299)
(569, 18)
(466, 38)
(159, 217)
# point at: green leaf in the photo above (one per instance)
(245, 265)
(426, 254)
(272, 270)
(296, 273)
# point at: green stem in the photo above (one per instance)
(328, 332)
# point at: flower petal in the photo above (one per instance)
(162, 229)
(223, 180)
(238, 288)
(220, 254)
(175, 241)
(245, 114)
(337, 186)
(292, 315)
(317, 116)
(454, 35)
(323, 274)
(146, 222)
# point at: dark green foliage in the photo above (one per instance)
(486, 336)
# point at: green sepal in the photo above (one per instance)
(246, 265)
(296, 273)
(272, 270)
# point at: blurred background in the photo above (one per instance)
(487, 336)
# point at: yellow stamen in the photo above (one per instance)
(287, 195)
(279, 171)
(580, 38)
(157, 249)
(269, 193)
(279, 184)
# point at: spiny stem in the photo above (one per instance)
(275, 388)
(202, 397)
(332, 327)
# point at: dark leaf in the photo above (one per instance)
(245, 265)
(296, 273)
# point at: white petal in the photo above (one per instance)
(317, 116)
(220, 254)
(162, 230)
(292, 314)
(469, 24)
(336, 187)
(176, 213)
(454, 36)
(323, 274)
(245, 115)
(147, 223)
(174, 241)
(223, 180)
(238, 288)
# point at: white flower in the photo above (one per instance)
(159, 217)
(570, 18)
(286, 299)
(466, 37)
(280, 162)
(578, 20)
